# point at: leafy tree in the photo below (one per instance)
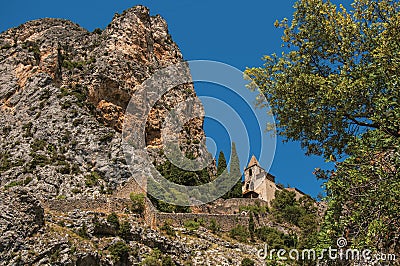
(340, 77)
(302, 213)
(286, 208)
(119, 252)
(239, 233)
(364, 195)
(272, 237)
(283, 199)
(336, 91)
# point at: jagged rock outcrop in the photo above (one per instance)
(63, 95)
(21, 216)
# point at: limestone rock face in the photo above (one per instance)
(21, 216)
(63, 95)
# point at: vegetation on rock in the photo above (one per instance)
(337, 92)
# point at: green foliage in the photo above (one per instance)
(119, 251)
(337, 91)
(97, 31)
(191, 225)
(55, 256)
(75, 169)
(82, 231)
(76, 191)
(13, 184)
(167, 228)
(153, 259)
(24, 182)
(167, 261)
(166, 207)
(28, 130)
(302, 213)
(32, 47)
(182, 177)
(247, 262)
(125, 230)
(138, 203)
(70, 65)
(38, 160)
(6, 130)
(113, 220)
(6, 46)
(214, 226)
(275, 239)
(38, 144)
(107, 137)
(363, 195)
(339, 78)
(5, 162)
(65, 104)
(239, 233)
(179, 176)
(221, 167)
(45, 94)
(223, 175)
(92, 179)
(235, 173)
(251, 225)
(256, 209)
(78, 91)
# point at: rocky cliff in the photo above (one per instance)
(63, 95)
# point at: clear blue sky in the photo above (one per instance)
(238, 33)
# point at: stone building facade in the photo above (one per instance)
(258, 184)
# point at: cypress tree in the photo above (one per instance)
(236, 191)
(221, 163)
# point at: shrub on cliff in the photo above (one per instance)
(247, 262)
(239, 233)
(192, 225)
(113, 220)
(138, 203)
(119, 251)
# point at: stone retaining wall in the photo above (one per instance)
(154, 218)
(100, 204)
(229, 206)
(225, 221)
